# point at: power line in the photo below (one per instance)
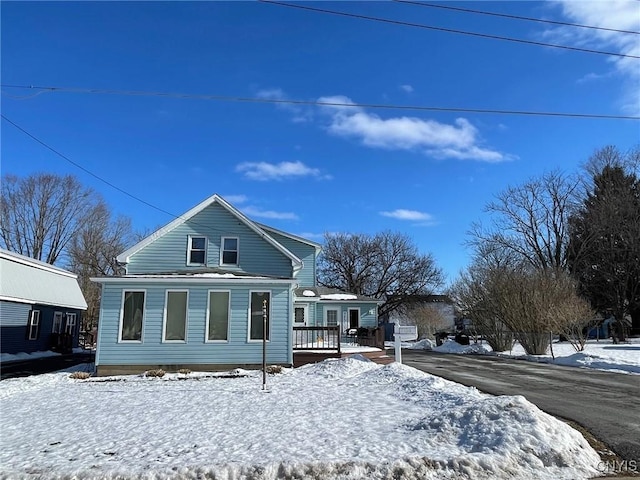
(77, 165)
(448, 30)
(516, 17)
(223, 98)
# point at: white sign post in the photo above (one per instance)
(400, 334)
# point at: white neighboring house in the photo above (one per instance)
(40, 305)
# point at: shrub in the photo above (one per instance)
(184, 371)
(80, 375)
(274, 369)
(158, 372)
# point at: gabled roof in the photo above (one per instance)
(26, 280)
(315, 245)
(124, 257)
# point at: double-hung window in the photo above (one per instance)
(260, 306)
(229, 251)
(218, 316)
(132, 315)
(33, 329)
(71, 323)
(175, 316)
(197, 251)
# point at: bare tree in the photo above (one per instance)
(428, 318)
(93, 251)
(386, 265)
(531, 221)
(40, 214)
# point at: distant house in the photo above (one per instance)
(442, 304)
(196, 292)
(40, 305)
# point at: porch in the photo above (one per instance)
(315, 344)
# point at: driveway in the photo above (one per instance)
(607, 404)
(24, 368)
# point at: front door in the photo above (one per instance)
(354, 318)
(300, 315)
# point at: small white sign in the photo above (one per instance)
(406, 332)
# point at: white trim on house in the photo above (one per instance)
(207, 313)
(325, 314)
(164, 315)
(354, 309)
(68, 323)
(305, 319)
(315, 245)
(195, 279)
(269, 325)
(57, 322)
(33, 325)
(125, 257)
(144, 313)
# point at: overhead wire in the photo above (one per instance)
(319, 103)
(443, 29)
(514, 17)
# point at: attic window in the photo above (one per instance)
(197, 252)
(229, 251)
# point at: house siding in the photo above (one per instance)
(168, 253)
(14, 338)
(305, 252)
(237, 350)
(366, 319)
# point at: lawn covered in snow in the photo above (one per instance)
(601, 355)
(339, 419)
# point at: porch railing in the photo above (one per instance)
(316, 338)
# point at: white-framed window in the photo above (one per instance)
(33, 328)
(196, 250)
(70, 325)
(229, 250)
(218, 308)
(57, 323)
(176, 305)
(331, 315)
(132, 316)
(257, 309)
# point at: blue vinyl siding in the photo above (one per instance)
(305, 252)
(151, 351)
(14, 338)
(169, 252)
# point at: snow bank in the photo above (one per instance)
(450, 346)
(340, 419)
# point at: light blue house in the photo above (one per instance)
(195, 292)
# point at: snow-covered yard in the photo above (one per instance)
(601, 355)
(339, 419)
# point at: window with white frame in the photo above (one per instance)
(197, 251)
(33, 328)
(57, 322)
(260, 304)
(299, 315)
(132, 315)
(71, 323)
(332, 317)
(218, 316)
(175, 315)
(229, 251)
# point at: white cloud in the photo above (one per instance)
(264, 171)
(299, 113)
(617, 14)
(233, 199)
(271, 214)
(412, 215)
(406, 88)
(460, 140)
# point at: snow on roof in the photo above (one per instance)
(26, 280)
(308, 293)
(427, 427)
(339, 296)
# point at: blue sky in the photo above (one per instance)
(311, 169)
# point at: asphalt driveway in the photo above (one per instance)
(606, 404)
